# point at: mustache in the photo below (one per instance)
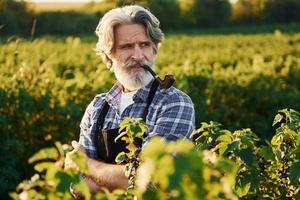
(134, 63)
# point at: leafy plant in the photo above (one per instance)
(219, 165)
(131, 130)
(268, 172)
(177, 170)
(52, 181)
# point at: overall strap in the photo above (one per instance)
(151, 95)
(99, 125)
(102, 116)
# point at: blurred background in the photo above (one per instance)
(239, 61)
(39, 17)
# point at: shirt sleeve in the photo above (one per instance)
(176, 118)
(86, 137)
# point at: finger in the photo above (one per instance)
(75, 144)
(67, 161)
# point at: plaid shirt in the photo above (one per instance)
(171, 114)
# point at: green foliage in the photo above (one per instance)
(41, 98)
(15, 18)
(235, 165)
(10, 168)
(239, 81)
(249, 11)
(52, 181)
(212, 13)
(163, 9)
(177, 171)
(282, 11)
(131, 130)
(67, 22)
(266, 11)
(265, 171)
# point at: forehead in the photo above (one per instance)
(124, 33)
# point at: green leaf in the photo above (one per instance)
(59, 148)
(64, 181)
(132, 148)
(295, 173)
(46, 153)
(246, 155)
(120, 157)
(277, 140)
(142, 132)
(43, 166)
(164, 168)
(266, 153)
(51, 173)
(80, 159)
(277, 119)
(225, 138)
(14, 195)
(120, 135)
(154, 148)
(221, 147)
(232, 147)
(144, 127)
(125, 123)
(180, 146)
(243, 189)
(82, 187)
(225, 165)
(135, 129)
(204, 134)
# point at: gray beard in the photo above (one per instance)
(132, 81)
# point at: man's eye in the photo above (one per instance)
(125, 46)
(145, 44)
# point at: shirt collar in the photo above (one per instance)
(142, 94)
(114, 94)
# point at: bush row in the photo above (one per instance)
(239, 81)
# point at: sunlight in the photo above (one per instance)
(233, 1)
(61, 1)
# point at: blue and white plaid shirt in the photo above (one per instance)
(171, 114)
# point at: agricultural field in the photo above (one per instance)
(240, 81)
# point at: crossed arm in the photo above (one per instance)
(100, 174)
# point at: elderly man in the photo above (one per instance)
(129, 38)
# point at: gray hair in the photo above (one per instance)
(132, 14)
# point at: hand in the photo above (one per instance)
(69, 163)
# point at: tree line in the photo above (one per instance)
(17, 18)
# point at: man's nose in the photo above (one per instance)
(137, 53)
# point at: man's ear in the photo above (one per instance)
(111, 64)
(107, 60)
(154, 49)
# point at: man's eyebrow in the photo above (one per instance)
(145, 41)
(142, 41)
(124, 43)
